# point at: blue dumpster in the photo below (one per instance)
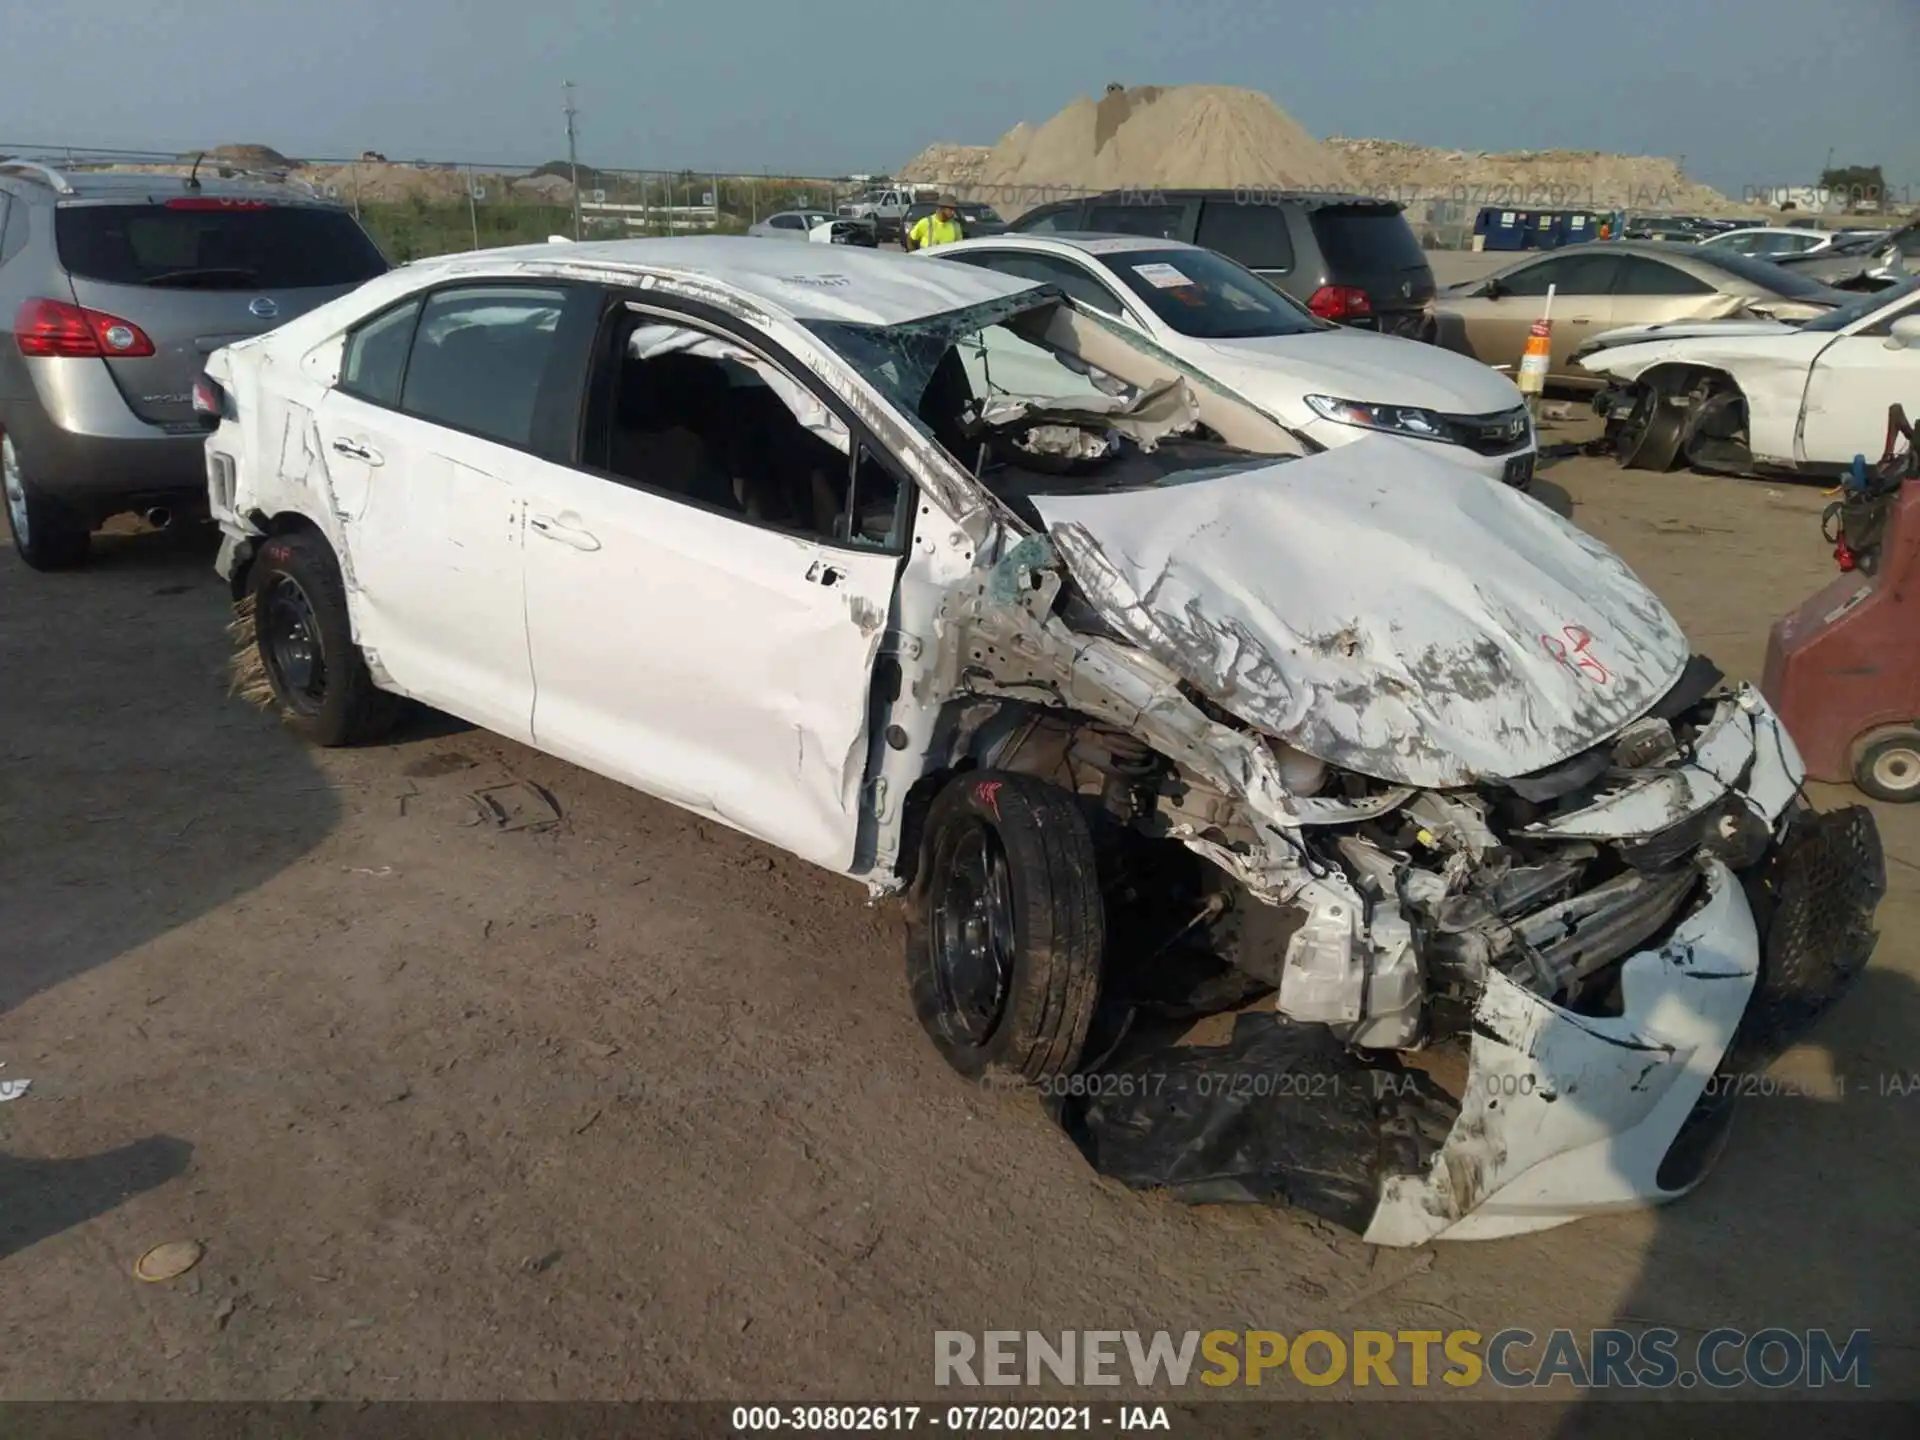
(1503, 229)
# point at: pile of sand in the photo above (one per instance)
(376, 183)
(1181, 135)
(1216, 136)
(951, 167)
(1529, 179)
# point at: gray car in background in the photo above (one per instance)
(114, 289)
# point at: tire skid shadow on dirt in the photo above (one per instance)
(135, 795)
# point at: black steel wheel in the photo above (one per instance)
(291, 646)
(973, 939)
(303, 642)
(1006, 927)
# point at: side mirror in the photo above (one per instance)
(1493, 289)
(1904, 334)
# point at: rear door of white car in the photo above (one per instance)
(1851, 386)
(426, 437)
(702, 626)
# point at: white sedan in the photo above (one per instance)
(1765, 241)
(1761, 397)
(1116, 688)
(1331, 382)
(790, 224)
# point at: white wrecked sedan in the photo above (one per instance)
(1760, 397)
(1118, 689)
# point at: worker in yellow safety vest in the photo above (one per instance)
(942, 227)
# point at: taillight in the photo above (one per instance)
(209, 400)
(55, 328)
(1340, 302)
(214, 202)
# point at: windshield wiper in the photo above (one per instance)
(187, 278)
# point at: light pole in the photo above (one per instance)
(573, 157)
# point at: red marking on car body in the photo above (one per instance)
(1574, 653)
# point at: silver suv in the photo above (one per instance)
(114, 289)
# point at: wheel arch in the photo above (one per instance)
(284, 522)
(992, 733)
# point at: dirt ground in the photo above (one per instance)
(637, 1107)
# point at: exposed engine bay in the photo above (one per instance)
(1403, 902)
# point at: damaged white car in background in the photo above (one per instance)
(1760, 397)
(1145, 708)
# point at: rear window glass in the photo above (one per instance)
(1161, 222)
(1366, 240)
(1046, 222)
(280, 247)
(478, 358)
(1255, 235)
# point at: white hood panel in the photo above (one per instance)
(1381, 608)
(1351, 364)
(1695, 330)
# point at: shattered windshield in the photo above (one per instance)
(1028, 417)
(901, 359)
(1861, 306)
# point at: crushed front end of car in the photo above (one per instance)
(1520, 881)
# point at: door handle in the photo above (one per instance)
(566, 534)
(354, 450)
(821, 573)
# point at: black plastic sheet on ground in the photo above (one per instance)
(1281, 1114)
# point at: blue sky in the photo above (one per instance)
(1749, 91)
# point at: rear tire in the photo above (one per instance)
(47, 534)
(303, 640)
(1006, 928)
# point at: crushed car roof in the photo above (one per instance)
(843, 283)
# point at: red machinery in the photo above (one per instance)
(1843, 670)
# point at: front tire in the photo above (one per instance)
(1006, 928)
(47, 534)
(1650, 435)
(303, 641)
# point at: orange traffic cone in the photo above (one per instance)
(1537, 360)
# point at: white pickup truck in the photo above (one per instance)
(886, 208)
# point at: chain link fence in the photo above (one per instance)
(417, 208)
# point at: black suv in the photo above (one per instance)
(1345, 257)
